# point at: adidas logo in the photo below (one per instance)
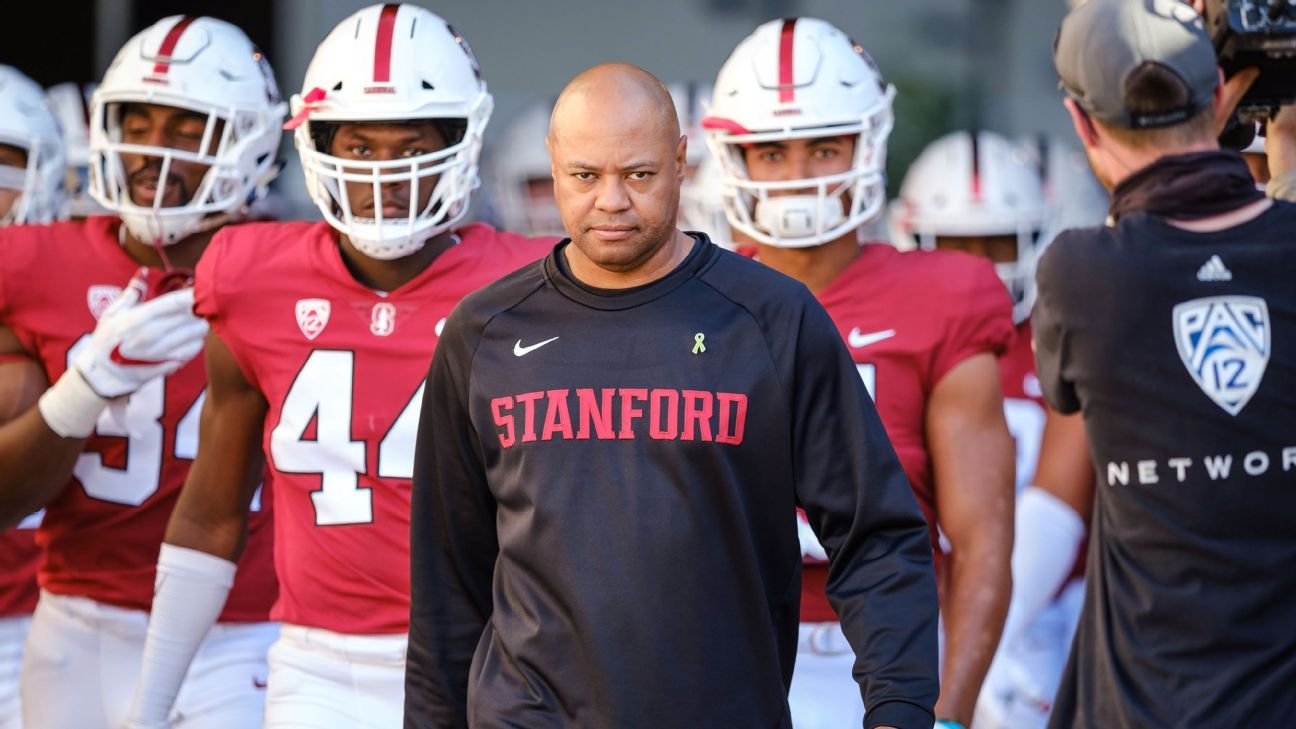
(1214, 270)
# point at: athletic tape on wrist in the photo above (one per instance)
(71, 407)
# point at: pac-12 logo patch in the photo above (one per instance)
(312, 316)
(100, 296)
(1224, 343)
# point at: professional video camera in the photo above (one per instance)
(1259, 34)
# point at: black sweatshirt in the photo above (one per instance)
(603, 528)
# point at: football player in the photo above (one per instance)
(71, 105)
(799, 122)
(521, 185)
(321, 338)
(30, 161)
(100, 400)
(980, 193)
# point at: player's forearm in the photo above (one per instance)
(221, 536)
(976, 602)
(35, 465)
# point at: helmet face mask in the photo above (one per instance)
(521, 176)
(798, 79)
(397, 64)
(28, 126)
(225, 154)
(438, 196)
(209, 68)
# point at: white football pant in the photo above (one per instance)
(13, 633)
(1019, 690)
(325, 680)
(824, 694)
(82, 662)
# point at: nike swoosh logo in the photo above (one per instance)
(858, 340)
(121, 359)
(519, 350)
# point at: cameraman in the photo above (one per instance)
(1173, 329)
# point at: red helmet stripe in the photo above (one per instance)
(787, 91)
(383, 46)
(169, 44)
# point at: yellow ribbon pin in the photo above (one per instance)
(698, 346)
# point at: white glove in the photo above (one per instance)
(132, 344)
(811, 549)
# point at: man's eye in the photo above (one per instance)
(358, 150)
(640, 175)
(584, 176)
(826, 153)
(414, 152)
(771, 156)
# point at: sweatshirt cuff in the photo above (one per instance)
(900, 714)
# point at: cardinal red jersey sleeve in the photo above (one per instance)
(982, 319)
(212, 293)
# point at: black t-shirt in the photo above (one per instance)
(603, 527)
(1180, 348)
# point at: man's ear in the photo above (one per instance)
(1084, 126)
(553, 166)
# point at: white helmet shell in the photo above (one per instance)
(26, 122)
(976, 184)
(206, 66)
(691, 100)
(70, 103)
(800, 78)
(702, 203)
(393, 63)
(521, 175)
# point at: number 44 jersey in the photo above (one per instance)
(342, 368)
(102, 533)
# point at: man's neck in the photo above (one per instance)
(816, 266)
(184, 253)
(662, 261)
(381, 275)
(1132, 160)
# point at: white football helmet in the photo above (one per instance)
(691, 100)
(800, 78)
(976, 184)
(70, 103)
(207, 66)
(1075, 197)
(702, 202)
(521, 177)
(392, 63)
(27, 123)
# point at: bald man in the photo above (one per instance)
(611, 445)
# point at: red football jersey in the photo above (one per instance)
(19, 558)
(101, 535)
(1023, 403)
(1025, 411)
(342, 367)
(908, 318)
